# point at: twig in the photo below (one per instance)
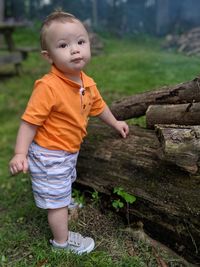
(193, 241)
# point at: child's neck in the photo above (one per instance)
(76, 79)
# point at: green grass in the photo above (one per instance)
(132, 66)
(125, 67)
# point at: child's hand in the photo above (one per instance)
(122, 128)
(18, 163)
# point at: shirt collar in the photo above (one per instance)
(87, 81)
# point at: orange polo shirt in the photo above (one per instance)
(61, 111)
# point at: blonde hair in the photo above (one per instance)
(57, 15)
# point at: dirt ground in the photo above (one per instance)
(113, 235)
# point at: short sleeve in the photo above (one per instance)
(98, 104)
(40, 104)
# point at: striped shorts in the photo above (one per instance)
(52, 173)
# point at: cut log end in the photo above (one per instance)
(180, 145)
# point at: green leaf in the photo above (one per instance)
(126, 196)
(117, 204)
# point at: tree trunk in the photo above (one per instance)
(2, 10)
(94, 13)
(2, 4)
(167, 197)
(182, 114)
(136, 105)
(162, 16)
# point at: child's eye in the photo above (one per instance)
(62, 45)
(80, 42)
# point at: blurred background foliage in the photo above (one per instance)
(122, 17)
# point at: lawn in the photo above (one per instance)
(124, 68)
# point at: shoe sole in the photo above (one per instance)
(88, 250)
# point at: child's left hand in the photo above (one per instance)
(122, 128)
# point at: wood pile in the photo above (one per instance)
(159, 164)
(96, 43)
(95, 40)
(175, 110)
(188, 43)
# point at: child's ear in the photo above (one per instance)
(46, 56)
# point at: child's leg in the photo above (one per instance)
(58, 222)
(52, 172)
(62, 239)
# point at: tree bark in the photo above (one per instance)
(167, 197)
(181, 114)
(180, 146)
(136, 105)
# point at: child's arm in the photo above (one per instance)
(25, 136)
(121, 126)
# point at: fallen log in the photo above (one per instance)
(180, 145)
(181, 114)
(136, 105)
(167, 197)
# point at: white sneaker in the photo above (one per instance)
(76, 243)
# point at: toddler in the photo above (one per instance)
(54, 124)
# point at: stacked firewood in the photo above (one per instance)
(174, 113)
(96, 43)
(95, 40)
(188, 43)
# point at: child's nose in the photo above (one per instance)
(74, 49)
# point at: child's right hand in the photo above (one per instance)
(18, 163)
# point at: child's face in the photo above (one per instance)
(68, 46)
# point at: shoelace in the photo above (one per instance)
(74, 239)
